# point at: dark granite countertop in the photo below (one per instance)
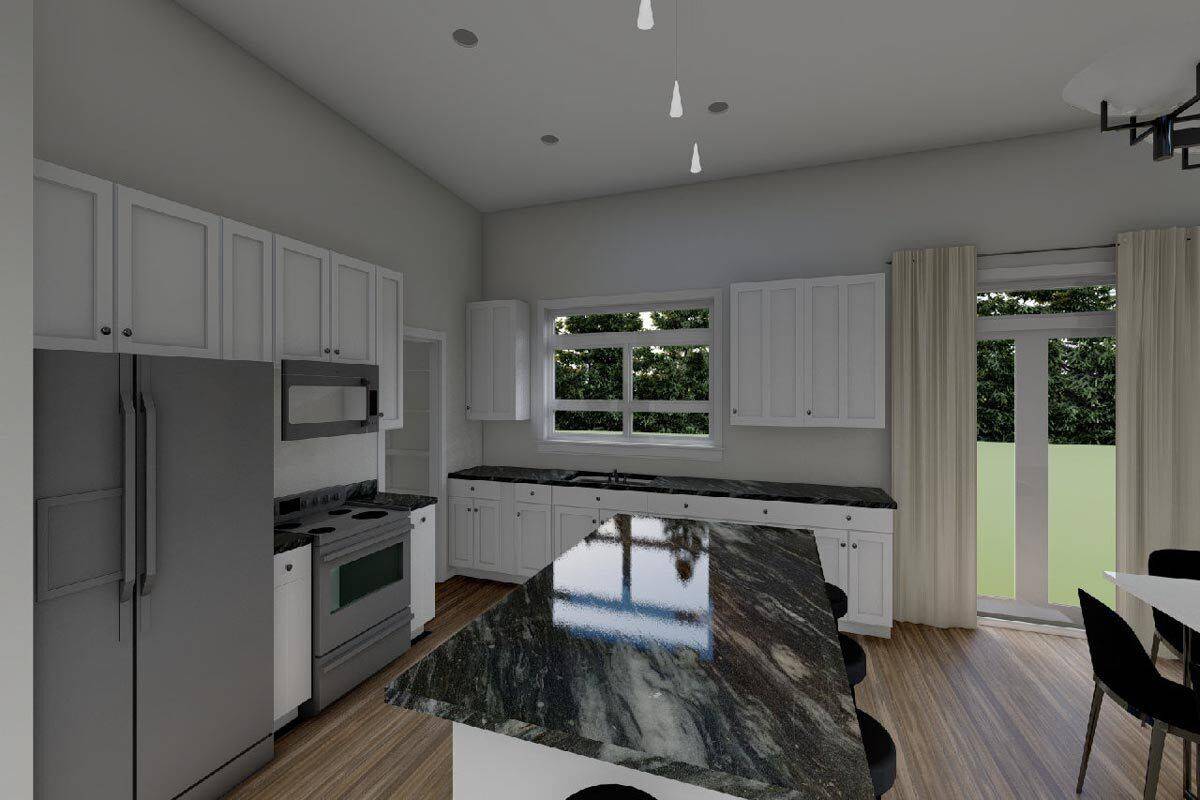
(818, 494)
(703, 652)
(409, 502)
(290, 540)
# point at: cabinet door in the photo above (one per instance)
(480, 375)
(168, 277)
(293, 645)
(534, 540)
(503, 362)
(389, 346)
(423, 567)
(824, 330)
(747, 367)
(487, 533)
(72, 260)
(353, 310)
(247, 293)
(832, 547)
(870, 588)
(302, 305)
(784, 375)
(572, 526)
(461, 529)
(865, 352)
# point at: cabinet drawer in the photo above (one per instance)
(293, 565)
(804, 515)
(532, 493)
(488, 490)
(422, 518)
(577, 496)
(687, 505)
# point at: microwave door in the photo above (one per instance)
(320, 399)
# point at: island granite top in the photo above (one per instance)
(815, 493)
(703, 652)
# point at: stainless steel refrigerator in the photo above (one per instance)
(153, 606)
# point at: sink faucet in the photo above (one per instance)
(616, 476)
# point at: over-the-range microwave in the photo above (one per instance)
(321, 398)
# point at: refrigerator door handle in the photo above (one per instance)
(146, 401)
(129, 514)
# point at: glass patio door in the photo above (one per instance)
(1046, 361)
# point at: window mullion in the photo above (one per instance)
(627, 389)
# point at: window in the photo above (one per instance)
(631, 374)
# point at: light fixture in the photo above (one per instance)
(676, 109)
(549, 138)
(464, 38)
(696, 158)
(645, 20)
(718, 107)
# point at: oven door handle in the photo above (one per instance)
(379, 542)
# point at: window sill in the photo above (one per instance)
(695, 452)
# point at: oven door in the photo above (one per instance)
(362, 581)
(319, 398)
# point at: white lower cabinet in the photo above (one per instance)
(293, 632)
(424, 525)
(534, 526)
(572, 526)
(513, 531)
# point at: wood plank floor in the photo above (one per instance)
(990, 713)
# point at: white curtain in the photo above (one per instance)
(933, 435)
(1158, 401)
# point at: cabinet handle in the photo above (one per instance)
(287, 567)
(843, 544)
(105, 331)
(127, 332)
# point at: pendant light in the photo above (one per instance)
(696, 158)
(675, 111)
(645, 20)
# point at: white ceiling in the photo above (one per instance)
(809, 81)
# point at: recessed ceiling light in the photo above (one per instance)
(549, 138)
(719, 107)
(465, 38)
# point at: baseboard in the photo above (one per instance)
(1069, 631)
(879, 631)
(487, 575)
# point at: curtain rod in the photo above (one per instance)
(1043, 250)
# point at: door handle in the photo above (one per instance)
(146, 401)
(129, 515)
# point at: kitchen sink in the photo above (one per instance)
(609, 480)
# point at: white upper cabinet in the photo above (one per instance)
(73, 260)
(247, 297)
(353, 308)
(302, 301)
(389, 346)
(808, 352)
(168, 277)
(498, 361)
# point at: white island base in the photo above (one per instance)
(492, 766)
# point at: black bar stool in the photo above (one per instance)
(881, 753)
(837, 600)
(855, 659)
(610, 791)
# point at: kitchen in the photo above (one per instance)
(578, 471)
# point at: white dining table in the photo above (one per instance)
(1179, 598)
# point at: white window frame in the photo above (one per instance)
(1031, 334)
(628, 443)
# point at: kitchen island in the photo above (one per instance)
(690, 658)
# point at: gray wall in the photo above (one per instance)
(143, 93)
(1074, 188)
(16, 398)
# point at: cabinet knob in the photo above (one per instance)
(468, 408)
(105, 331)
(326, 349)
(127, 332)
(593, 522)
(335, 352)
(472, 488)
(847, 518)
(422, 519)
(531, 492)
(854, 546)
(518, 513)
(809, 412)
(597, 499)
(843, 544)
(735, 411)
(685, 505)
(765, 510)
(287, 567)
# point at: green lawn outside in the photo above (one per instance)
(1082, 520)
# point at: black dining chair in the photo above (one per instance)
(1171, 564)
(610, 791)
(838, 601)
(855, 660)
(881, 753)
(1123, 671)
